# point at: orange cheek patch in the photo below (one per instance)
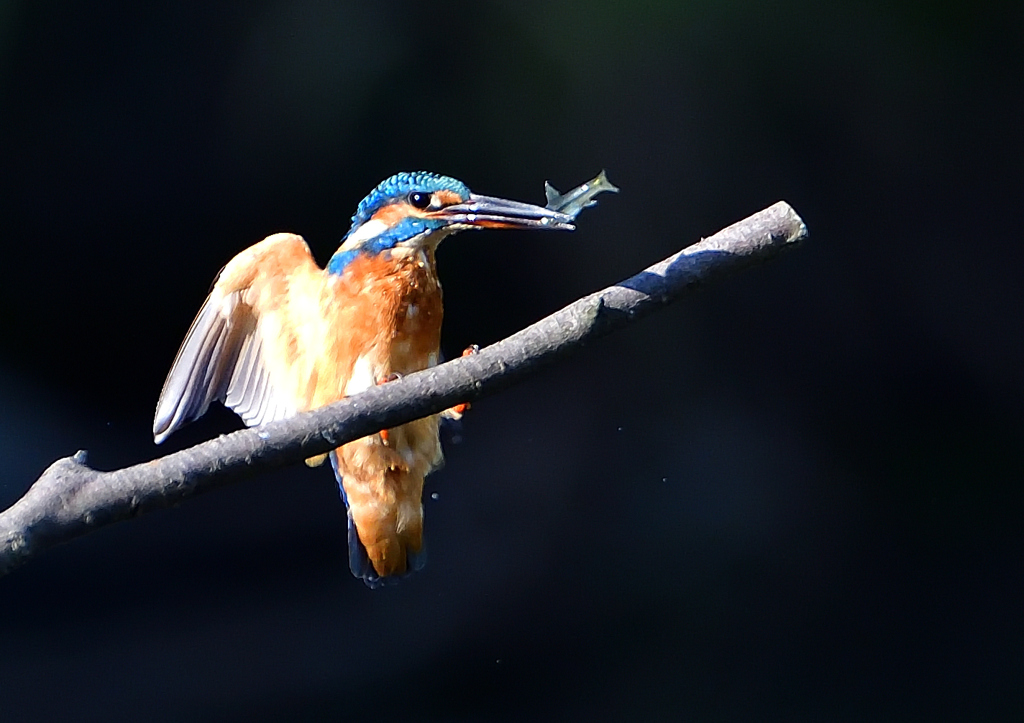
(448, 198)
(395, 212)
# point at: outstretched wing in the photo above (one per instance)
(225, 354)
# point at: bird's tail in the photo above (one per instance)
(385, 536)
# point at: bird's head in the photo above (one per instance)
(417, 210)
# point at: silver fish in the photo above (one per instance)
(579, 198)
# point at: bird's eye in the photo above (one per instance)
(419, 200)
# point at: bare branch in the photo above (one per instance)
(70, 499)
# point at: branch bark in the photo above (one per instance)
(71, 499)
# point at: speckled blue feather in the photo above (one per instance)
(401, 185)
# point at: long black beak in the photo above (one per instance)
(490, 212)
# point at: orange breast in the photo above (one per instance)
(340, 334)
(396, 308)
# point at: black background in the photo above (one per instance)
(796, 495)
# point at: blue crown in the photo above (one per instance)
(401, 185)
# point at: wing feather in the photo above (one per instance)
(222, 358)
(244, 371)
(257, 399)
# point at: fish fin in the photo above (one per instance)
(551, 194)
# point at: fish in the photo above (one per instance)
(573, 202)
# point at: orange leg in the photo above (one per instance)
(394, 376)
(458, 410)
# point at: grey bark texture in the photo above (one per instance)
(71, 499)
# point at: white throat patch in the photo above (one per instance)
(371, 229)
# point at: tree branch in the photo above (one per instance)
(70, 499)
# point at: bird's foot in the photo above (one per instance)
(458, 410)
(392, 377)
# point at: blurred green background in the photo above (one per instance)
(794, 496)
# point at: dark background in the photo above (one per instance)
(794, 496)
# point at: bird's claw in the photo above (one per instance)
(316, 461)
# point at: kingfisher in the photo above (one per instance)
(278, 335)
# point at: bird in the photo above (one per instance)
(278, 335)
